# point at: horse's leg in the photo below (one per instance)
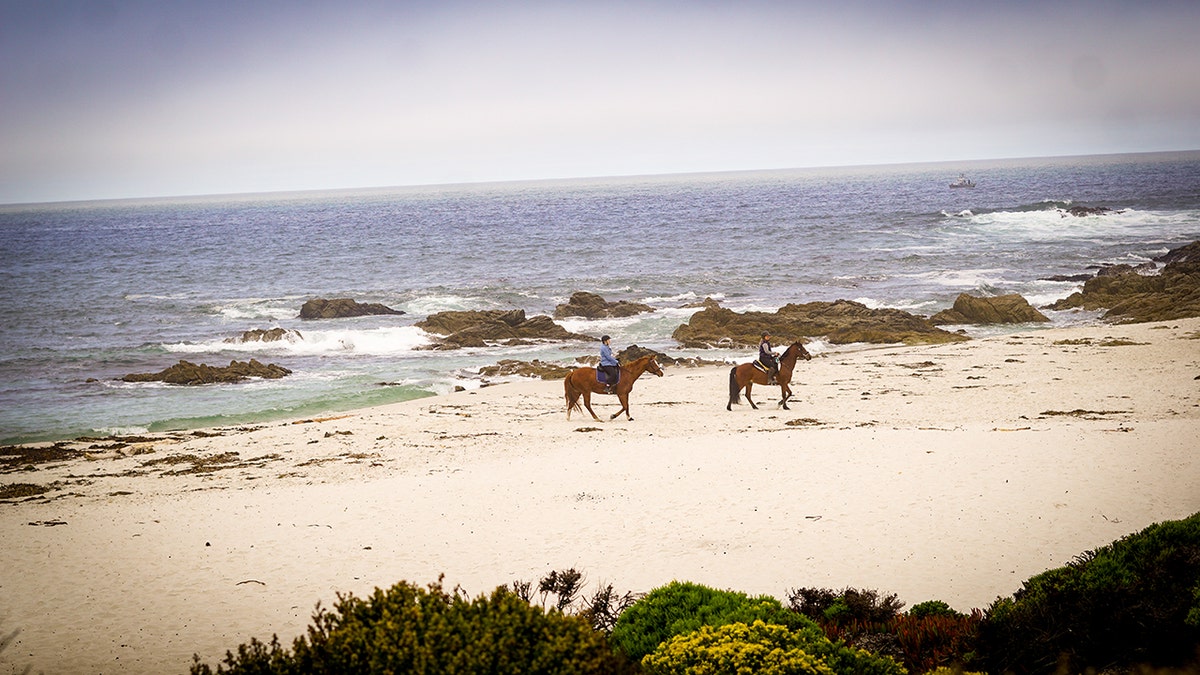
(623, 397)
(785, 392)
(749, 386)
(587, 403)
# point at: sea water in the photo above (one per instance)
(93, 291)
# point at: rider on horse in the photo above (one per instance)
(610, 366)
(766, 356)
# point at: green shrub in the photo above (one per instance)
(932, 608)
(682, 607)
(407, 629)
(843, 607)
(1135, 601)
(762, 649)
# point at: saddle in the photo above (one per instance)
(602, 377)
(759, 364)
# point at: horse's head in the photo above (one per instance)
(801, 352)
(652, 366)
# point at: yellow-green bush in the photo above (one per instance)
(682, 607)
(761, 649)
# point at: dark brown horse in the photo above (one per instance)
(583, 381)
(747, 375)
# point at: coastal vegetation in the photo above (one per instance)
(1130, 607)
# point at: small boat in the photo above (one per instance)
(962, 182)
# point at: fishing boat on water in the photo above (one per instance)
(962, 182)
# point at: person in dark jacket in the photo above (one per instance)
(766, 356)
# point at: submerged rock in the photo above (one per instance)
(1011, 308)
(840, 322)
(186, 372)
(270, 335)
(340, 308)
(592, 306)
(1081, 211)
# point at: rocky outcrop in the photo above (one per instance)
(186, 372)
(703, 304)
(269, 335)
(1081, 211)
(839, 322)
(1131, 297)
(999, 309)
(592, 306)
(535, 368)
(1188, 253)
(340, 308)
(480, 327)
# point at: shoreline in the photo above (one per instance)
(950, 472)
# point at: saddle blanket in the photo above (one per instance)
(602, 377)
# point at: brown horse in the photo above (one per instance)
(747, 375)
(583, 381)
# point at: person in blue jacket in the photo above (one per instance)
(608, 363)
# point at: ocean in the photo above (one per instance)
(97, 290)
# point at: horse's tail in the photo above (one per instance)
(735, 392)
(572, 396)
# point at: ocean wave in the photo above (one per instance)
(388, 341)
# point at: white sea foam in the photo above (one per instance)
(390, 341)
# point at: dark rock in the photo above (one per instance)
(189, 373)
(271, 335)
(703, 304)
(340, 308)
(1130, 297)
(448, 323)
(1000, 309)
(592, 306)
(534, 368)
(1080, 211)
(1188, 253)
(1068, 277)
(480, 327)
(1123, 268)
(840, 322)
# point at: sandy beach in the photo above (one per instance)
(949, 472)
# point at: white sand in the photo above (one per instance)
(931, 472)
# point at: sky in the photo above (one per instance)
(128, 98)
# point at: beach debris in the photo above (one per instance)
(340, 308)
(321, 419)
(250, 581)
(22, 490)
(1083, 414)
(188, 373)
(593, 306)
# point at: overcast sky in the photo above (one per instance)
(128, 99)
